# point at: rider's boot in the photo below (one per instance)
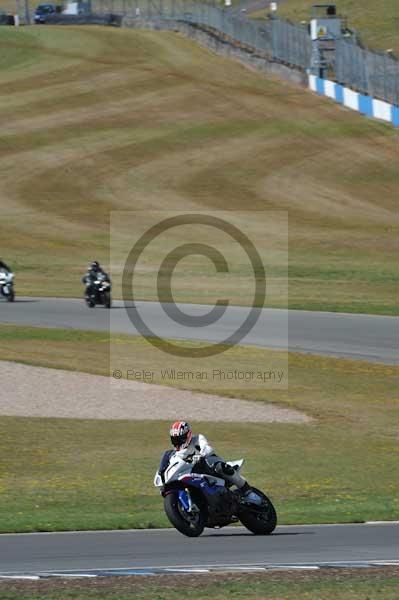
(245, 488)
(232, 476)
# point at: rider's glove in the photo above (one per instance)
(196, 458)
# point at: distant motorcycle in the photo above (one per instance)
(98, 292)
(194, 498)
(7, 286)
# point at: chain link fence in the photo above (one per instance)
(372, 73)
(276, 39)
(369, 72)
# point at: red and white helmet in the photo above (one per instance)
(180, 434)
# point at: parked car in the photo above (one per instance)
(43, 11)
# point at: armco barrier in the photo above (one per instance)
(370, 107)
(351, 99)
(382, 110)
(366, 105)
(329, 89)
(92, 19)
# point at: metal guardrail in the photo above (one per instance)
(279, 40)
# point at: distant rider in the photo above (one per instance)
(93, 272)
(198, 449)
(6, 288)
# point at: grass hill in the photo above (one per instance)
(99, 119)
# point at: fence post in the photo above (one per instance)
(27, 12)
(386, 75)
(272, 29)
(396, 99)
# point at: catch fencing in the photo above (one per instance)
(273, 38)
(372, 73)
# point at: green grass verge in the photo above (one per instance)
(376, 22)
(102, 119)
(75, 474)
(367, 585)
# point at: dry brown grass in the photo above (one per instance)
(96, 119)
(325, 584)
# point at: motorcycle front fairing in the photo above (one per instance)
(170, 468)
(159, 479)
(102, 283)
(6, 282)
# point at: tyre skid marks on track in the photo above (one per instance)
(90, 573)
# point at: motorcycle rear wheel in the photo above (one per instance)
(180, 519)
(260, 522)
(107, 300)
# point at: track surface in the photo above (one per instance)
(368, 337)
(168, 548)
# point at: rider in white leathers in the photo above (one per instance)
(197, 447)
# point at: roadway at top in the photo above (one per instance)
(361, 337)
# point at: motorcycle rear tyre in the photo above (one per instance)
(250, 519)
(107, 300)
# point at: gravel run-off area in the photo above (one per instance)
(40, 392)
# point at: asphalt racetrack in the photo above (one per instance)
(232, 547)
(365, 337)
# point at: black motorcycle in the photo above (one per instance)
(98, 291)
(194, 498)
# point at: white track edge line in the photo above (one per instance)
(171, 529)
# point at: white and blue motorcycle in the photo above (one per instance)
(7, 286)
(195, 498)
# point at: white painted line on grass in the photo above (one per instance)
(382, 523)
(187, 570)
(67, 575)
(32, 577)
(294, 567)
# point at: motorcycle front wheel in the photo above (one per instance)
(189, 525)
(11, 296)
(261, 520)
(90, 302)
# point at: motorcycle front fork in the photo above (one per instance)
(190, 506)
